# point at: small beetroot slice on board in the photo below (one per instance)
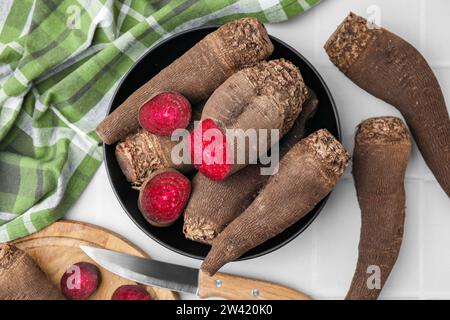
(131, 292)
(80, 281)
(163, 197)
(164, 113)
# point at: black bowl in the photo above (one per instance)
(148, 66)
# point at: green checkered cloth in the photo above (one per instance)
(60, 62)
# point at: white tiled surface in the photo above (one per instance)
(322, 259)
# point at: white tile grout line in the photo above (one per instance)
(422, 24)
(425, 178)
(316, 32)
(436, 65)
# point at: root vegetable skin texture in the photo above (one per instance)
(266, 96)
(163, 197)
(307, 174)
(391, 69)
(164, 113)
(382, 150)
(196, 74)
(22, 279)
(131, 292)
(208, 212)
(80, 281)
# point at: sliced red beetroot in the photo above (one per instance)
(164, 113)
(80, 280)
(209, 151)
(163, 197)
(131, 292)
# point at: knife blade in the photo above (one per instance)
(188, 280)
(149, 272)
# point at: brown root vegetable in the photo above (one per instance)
(80, 281)
(164, 113)
(163, 197)
(264, 97)
(142, 152)
(307, 174)
(22, 279)
(214, 204)
(393, 70)
(196, 74)
(382, 150)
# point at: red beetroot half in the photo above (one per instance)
(80, 280)
(164, 113)
(163, 197)
(210, 151)
(131, 292)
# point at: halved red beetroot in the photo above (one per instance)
(163, 197)
(164, 113)
(131, 292)
(210, 150)
(80, 281)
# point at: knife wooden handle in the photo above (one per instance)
(239, 288)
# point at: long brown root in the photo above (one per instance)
(307, 173)
(214, 204)
(391, 69)
(382, 150)
(266, 97)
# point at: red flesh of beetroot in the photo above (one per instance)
(209, 151)
(165, 113)
(164, 197)
(80, 281)
(131, 292)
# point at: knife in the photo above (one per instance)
(189, 280)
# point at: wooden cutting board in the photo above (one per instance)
(56, 248)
